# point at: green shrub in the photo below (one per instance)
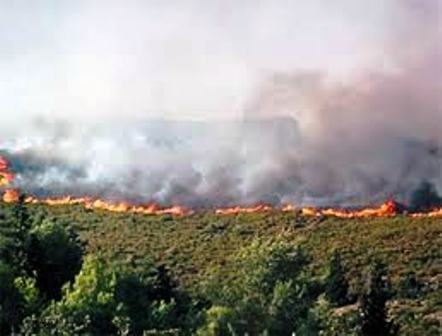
(373, 303)
(336, 283)
(271, 293)
(55, 255)
(219, 321)
(11, 301)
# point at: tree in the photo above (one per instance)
(265, 264)
(111, 299)
(13, 237)
(87, 305)
(289, 307)
(21, 215)
(219, 321)
(410, 286)
(271, 295)
(373, 303)
(326, 320)
(148, 298)
(55, 255)
(337, 285)
(11, 301)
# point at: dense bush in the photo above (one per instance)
(374, 320)
(326, 320)
(337, 285)
(37, 259)
(271, 294)
(210, 275)
(11, 309)
(54, 254)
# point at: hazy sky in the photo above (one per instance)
(361, 81)
(174, 59)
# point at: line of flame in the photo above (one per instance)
(387, 209)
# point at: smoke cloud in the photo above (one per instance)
(304, 136)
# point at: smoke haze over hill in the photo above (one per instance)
(287, 134)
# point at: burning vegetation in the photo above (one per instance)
(425, 203)
(6, 176)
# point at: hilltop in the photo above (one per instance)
(197, 247)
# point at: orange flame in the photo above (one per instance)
(237, 210)
(387, 209)
(432, 213)
(10, 196)
(3, 163)
(6, 176)
(121, 207)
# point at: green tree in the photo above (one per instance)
(54, 254)
(11, 301)
(148, 298)
(14, 230)
(264, 264)
(288, 307)
(21, 215)
(327, 320)
(271, 293)
(219, 321)
(86, 307)
(410, 287)
(92, 295)
(112, 299)
(336, 284)
(373, 303)
(30, 294)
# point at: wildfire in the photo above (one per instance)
(387, 209)
(237, 210)
(6, 176)
(432, 213)
(11, 195)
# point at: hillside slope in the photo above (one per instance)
(195, 247)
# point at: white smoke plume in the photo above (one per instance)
(304, 136)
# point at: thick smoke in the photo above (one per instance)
(304, 138)
(376, 136)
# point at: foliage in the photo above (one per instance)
(270, 295)
(29, 292)
(89, 298)
(219, 321)
(410, 287)
(54, 254)
(216, 275)
(264, 264)
(14, 229)
(326, 320)
(373, 303)
(337, 286)
(11, 301)
(149, 299)
(112, 300)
